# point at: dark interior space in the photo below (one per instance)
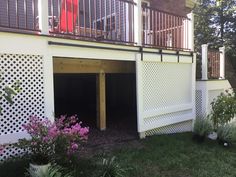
(76, 94)
(121, 101)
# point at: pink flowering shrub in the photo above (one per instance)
(72, 134)
(64, 135)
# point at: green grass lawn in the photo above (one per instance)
(159, 156)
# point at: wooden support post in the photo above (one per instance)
(101, 101)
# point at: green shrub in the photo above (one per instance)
(202, 126)
(53, 171)
(227, 133)
(223, 108)
(110, 168)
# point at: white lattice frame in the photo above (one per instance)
(206, 87)
(141, 113)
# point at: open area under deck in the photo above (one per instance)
(102, 101)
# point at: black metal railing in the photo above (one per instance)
(19, 14)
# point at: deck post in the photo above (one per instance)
(191, 31)
(205, 62)
(222, 62)
(138, 22)
(101, 101)
(43, 16)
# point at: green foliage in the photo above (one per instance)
(223, 108)
(53, 171)
(110, 168)
(157, 156)
(227, 133)
(202, 126)
(215, 23)
(9, 92)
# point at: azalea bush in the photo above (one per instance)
(64, 135)
(71, 135)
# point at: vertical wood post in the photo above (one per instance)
(43, 16)
(190, 31)
(101, 101)
(138, 22)
(205, 62)
(222, 62)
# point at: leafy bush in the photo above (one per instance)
(110, 168)
(227, 133)
(202, 126)
(53, 171)
(223, 108)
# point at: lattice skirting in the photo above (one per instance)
(28, 69)
(171, 129)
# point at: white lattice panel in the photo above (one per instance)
(170, 129)
(166, 84)
(28, 69)
(166, 90)
(199, 110)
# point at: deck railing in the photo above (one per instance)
(19, 14)
(164, 29)
(109, 20)
(213, 64)
(98, 20)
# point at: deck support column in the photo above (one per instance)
(101, 101)
(43, 16)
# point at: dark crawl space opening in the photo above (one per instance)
(76, 94)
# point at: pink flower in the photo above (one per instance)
(74, 146)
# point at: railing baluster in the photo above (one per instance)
(84, 14)
(8, 14)
(120, 20)
(25, 13)
(33, 13)
(95, 16)
(110, 19)
(17, 15)
(90, 19)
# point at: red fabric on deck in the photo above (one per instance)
(69, 11)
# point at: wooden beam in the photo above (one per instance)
(65, 65)
(101, 101)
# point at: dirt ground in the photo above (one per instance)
(119, 132)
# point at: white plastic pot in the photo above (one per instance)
(39, 169)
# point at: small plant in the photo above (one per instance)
(53, 171)
(110, 168)
(202, 127)
(223, 108)
(226, 134)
